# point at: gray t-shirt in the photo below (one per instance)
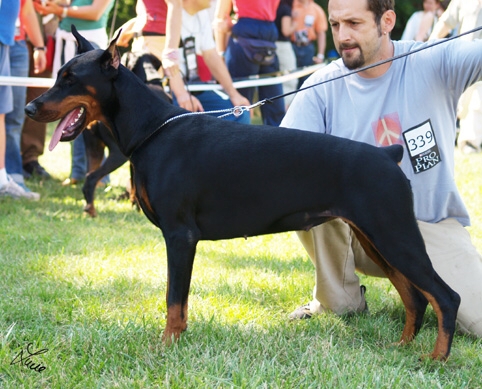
(413, 104)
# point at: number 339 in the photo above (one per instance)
(421, 141)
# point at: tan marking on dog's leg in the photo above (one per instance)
(398, 280)
(89, 209)
(403, 286)
(444, 339)
(176, 323)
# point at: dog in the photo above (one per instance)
(201, 178)
(144, 66)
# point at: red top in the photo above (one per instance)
(155, 14)
(256, 9)
(19, 28)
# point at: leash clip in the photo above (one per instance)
(239, 110)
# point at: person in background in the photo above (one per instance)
(154, 30)
(32, 142)
(249, 48)
(428, 22)
(286, 55)
(416, 24)
(384, 105)
(90, 19)
(198, 43)
(311, 26)
(27, 25)
(465, 15)
(157, 30)
(9, 11)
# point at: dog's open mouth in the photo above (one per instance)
(69, 127)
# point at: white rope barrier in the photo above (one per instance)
(248, 82)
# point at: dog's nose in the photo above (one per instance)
(30, 110)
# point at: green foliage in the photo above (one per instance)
(122, 11)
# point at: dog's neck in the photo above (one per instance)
(136, 118)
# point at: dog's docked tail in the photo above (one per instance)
(395, 152)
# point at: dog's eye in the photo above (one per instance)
(67, 78)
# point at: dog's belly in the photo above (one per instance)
(243, 224)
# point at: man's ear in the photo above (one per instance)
(83, 45)
(387, 23)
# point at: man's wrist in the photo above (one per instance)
(39, 48)
(320, 56)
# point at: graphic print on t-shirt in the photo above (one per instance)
(422, 147)
(388, 130)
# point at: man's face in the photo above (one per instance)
(356, 36)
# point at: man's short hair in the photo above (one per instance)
(379, 7)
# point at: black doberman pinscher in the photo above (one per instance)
(144, 66)
(202, 178)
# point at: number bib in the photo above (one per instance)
(422, 147)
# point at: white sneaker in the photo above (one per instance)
(12, 189)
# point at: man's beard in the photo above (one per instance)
(352, 62)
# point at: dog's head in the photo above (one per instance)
(83, 88)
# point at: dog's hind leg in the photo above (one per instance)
(181, 248)
(416, 291)
(445, 303)
(414, 301)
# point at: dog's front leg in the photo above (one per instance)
(181, 248)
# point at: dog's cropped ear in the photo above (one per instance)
(114, 51)
(83, 45)
(111, 59)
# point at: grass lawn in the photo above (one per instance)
(87, 296)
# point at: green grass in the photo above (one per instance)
(92, 292)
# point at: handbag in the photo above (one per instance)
(258, 51)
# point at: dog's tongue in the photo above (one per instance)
(55, 138)
(64, 123)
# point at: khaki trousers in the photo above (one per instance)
(337, 254)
